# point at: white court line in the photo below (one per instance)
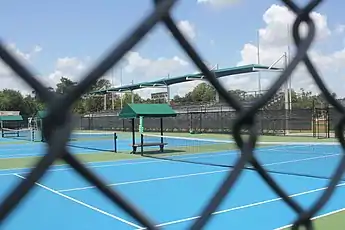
(191, 175)
(139, 161)
(147, 180)
(243, 207)
(82, 203)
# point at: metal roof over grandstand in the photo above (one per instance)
(189, 77)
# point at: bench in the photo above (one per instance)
(161, 145)
(10, 133)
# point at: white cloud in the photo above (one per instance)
(339, 29)
(21, 54)
(149, 68)
(218, 2)
(37, 49)
(187, 28)
(142, 69)
(137, 68)
(274, 39)
(8, 78)
(70, 67)
(278, 22)
(74, 69)
(70, 64)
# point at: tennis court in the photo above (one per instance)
(170, 188)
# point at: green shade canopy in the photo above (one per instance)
(41, 114)
(188, 77)
(147, 110)
(11, 118)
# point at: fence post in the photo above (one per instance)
(115, 142)
(328, 123)
(200, 122)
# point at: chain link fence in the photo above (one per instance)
(269, 122)
(57, 124)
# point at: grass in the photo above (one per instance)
(28, 162)
(334, 221)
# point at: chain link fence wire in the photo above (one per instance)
(58, 128)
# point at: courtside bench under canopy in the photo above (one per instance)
(12, 121)
(133, 111)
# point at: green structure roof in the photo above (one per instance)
(11, 118)
(147, 110)
(164, 82)
(41, 114)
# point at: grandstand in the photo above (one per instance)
(278, 117)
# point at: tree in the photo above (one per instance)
(11, 100)
(241, 95)
(65, 85)
(100, 84)
(51, 89)
(80, 107)
(127, 98)
(32, 105)
(203, 93)
(95, 103)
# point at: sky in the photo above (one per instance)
(65, 38)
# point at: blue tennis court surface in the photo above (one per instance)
(172, 193)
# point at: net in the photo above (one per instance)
(183, 145)
(20, 134)
(97, 141)
(312, 159)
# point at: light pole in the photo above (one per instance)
(121, 98)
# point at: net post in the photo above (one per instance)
(115, 142)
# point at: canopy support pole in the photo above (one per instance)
(161, 147)
(133, 135)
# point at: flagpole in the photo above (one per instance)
(288, 60)
(259, 79)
